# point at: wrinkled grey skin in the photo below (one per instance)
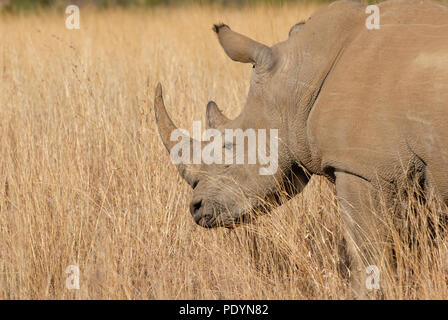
(368, 109)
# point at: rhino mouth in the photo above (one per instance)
(217, 217)
(211, 221)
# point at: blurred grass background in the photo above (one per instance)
(27, 5)
(15, 6)
(85, 179)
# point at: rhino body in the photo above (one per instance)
(368, 109)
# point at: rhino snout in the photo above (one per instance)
(195, 207)
(203, 217)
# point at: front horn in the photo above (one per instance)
(165, 127)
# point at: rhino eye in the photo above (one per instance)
(253, 66)
(228, 145)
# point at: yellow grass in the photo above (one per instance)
(85, 180)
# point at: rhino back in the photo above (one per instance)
(385, 104)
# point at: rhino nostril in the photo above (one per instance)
(195, 206)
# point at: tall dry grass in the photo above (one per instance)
(85, 180)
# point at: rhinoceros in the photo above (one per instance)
(365, 108)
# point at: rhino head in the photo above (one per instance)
(285, 82)
(229, 194)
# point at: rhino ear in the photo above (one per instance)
(241, 48)
(215, 118)
(296, 28)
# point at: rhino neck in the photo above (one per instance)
(316, 50)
